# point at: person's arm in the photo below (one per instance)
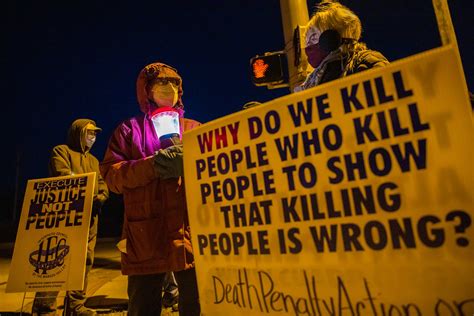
(103, 194)
(118, 170)
(59, 162)
(102, 190)
(370, 59)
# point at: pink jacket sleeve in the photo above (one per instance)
(118, 170)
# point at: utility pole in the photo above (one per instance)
(446, 31)
(445, 24)
(447, 34)
(294, 13)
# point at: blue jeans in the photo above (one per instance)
(144, 294)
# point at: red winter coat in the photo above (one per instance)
(156, 223)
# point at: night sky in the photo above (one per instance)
(63, 60)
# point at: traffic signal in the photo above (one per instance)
(269, 69)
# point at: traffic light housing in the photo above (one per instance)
(269, 70)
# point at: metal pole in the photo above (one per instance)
(445, 24)
(446, 31)
(293, 13)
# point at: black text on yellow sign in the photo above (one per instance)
(57, 204)
(386, 123)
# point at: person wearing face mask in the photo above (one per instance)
(68, 159)
(156, 234)
(332, 45)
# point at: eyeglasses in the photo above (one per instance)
(90, 132)
(153, 71)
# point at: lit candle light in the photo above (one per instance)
(166, 123)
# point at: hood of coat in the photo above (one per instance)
(76, 138)
(149, 73)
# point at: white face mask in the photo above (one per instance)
(90, 142)
(164, 95)
(90, 138)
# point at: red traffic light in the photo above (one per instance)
(268, 69)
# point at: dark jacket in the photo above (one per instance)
(359, 61)
(75, 158)
(338, 65)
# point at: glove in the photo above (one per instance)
(169, 162)
(97, 203)
(97, 206)
(174, 140)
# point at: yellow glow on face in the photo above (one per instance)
(164, 95)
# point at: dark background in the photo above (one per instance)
(63, 60)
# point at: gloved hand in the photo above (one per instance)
(169, 162)
(97, 205)
(174, 140)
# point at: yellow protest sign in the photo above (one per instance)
(352, 198)
(51, 242)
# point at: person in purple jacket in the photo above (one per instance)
(156, 234)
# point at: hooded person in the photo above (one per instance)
(156, 234)
(69, 159)
(332, 45)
